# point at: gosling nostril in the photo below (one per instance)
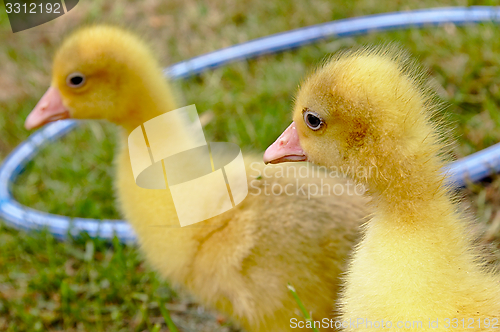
(284, 139)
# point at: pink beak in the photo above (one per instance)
(286, 148)
(50, 108)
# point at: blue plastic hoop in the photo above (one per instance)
(472, 168)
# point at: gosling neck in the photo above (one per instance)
(147, 98)
(408, 183)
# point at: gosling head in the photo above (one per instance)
(357, 110)
(99, 72)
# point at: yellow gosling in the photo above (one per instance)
(369, 111)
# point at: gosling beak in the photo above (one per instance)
(50, 108)
(286, 148)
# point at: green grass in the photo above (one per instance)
(307, 317)
(79, 285)
(87, 285)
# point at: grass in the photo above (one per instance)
(303, 309)
(88, 285)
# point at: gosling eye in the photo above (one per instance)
(312, 119)
(75, 80)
